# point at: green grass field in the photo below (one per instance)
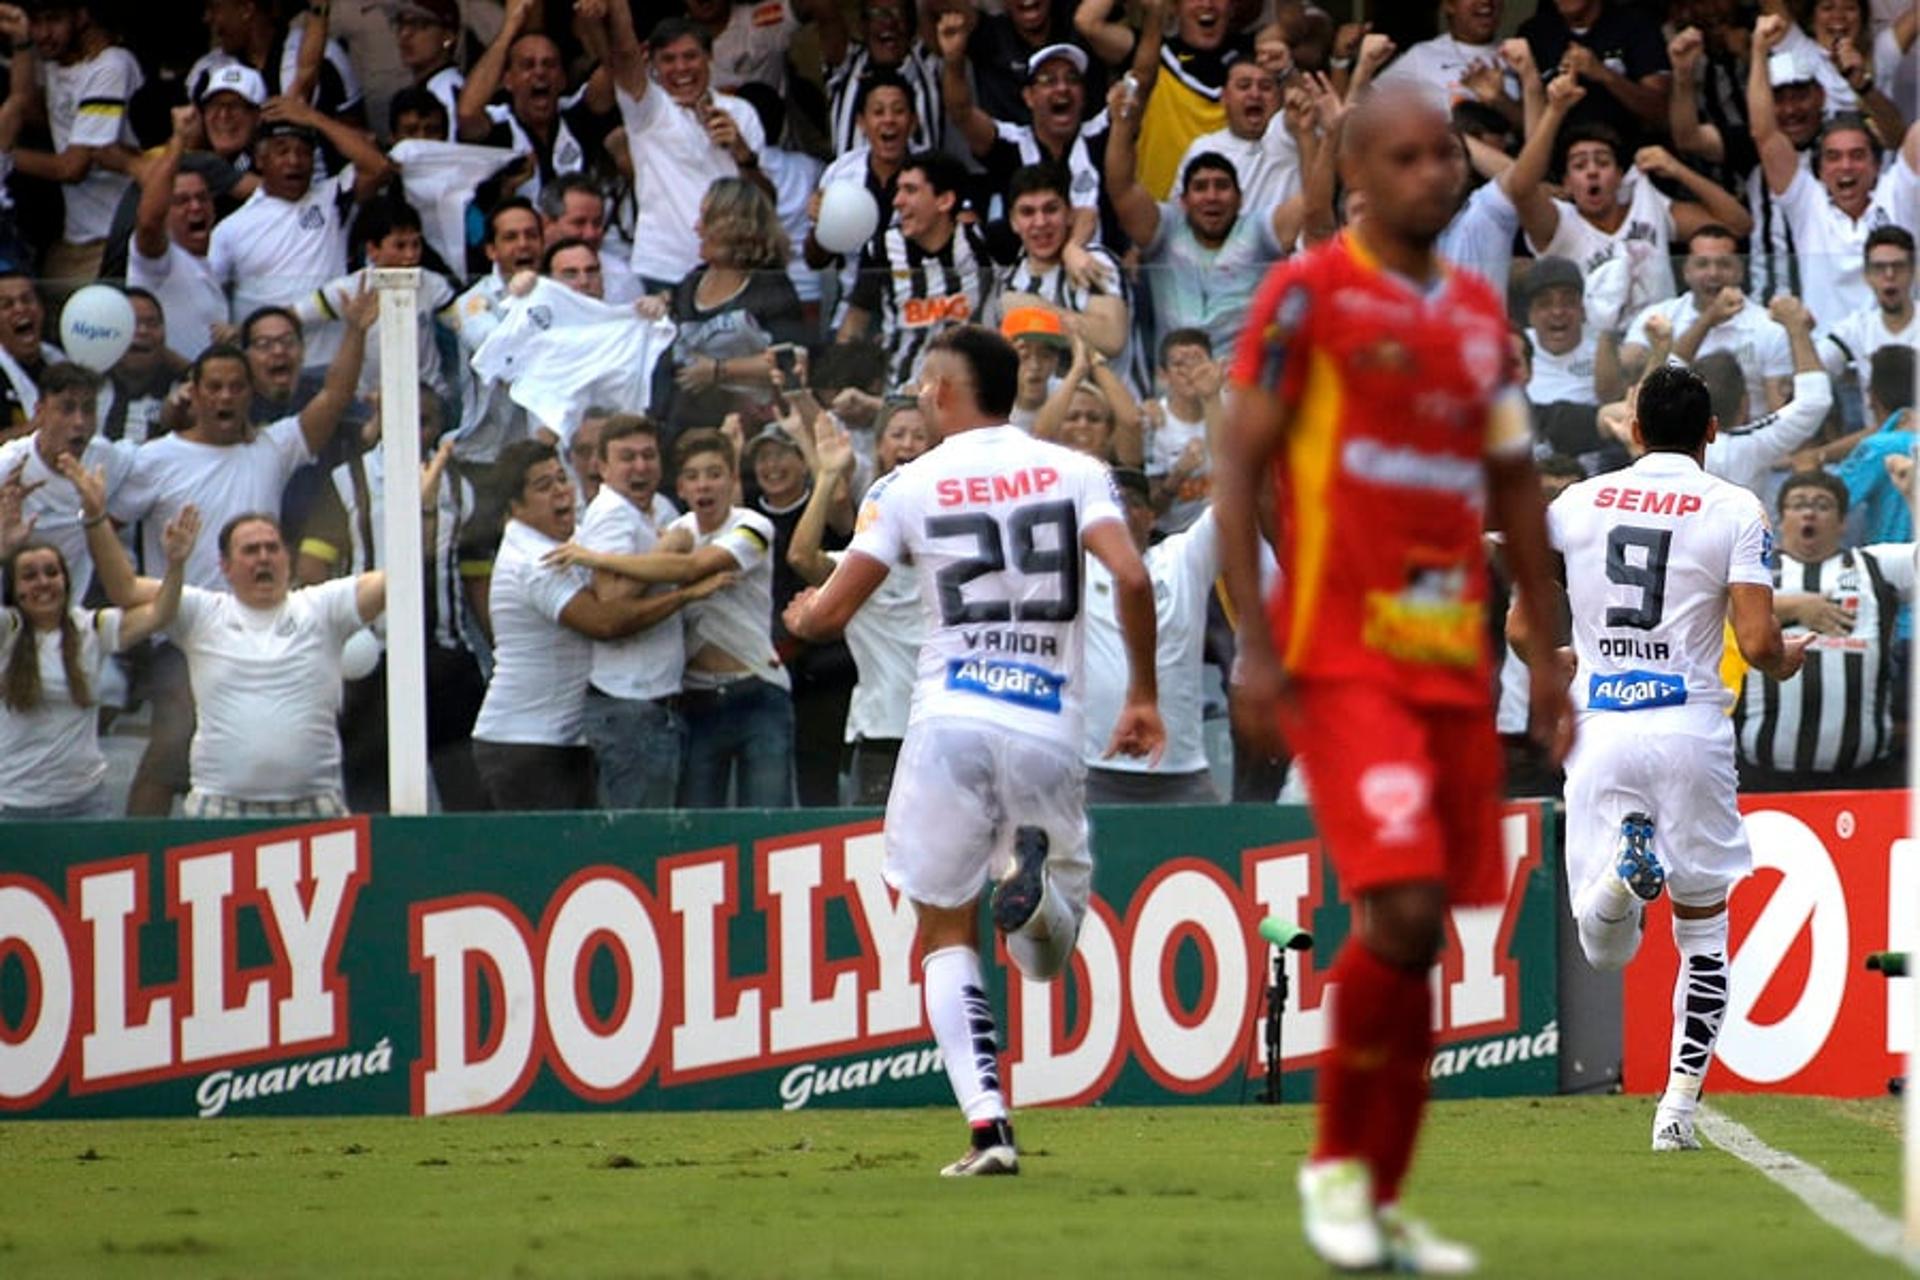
(1550, 1188)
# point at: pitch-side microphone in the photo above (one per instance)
(1285, 934)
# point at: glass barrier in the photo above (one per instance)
(580, 651)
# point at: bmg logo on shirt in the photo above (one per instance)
(921, 313)
(311, 219)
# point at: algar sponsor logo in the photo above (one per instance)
(1017, 682)
(1634, 690)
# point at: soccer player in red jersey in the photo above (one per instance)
(1372, 387)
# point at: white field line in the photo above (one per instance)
(1839, 1206)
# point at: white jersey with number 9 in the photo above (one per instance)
(1650, 552)
(992, 522)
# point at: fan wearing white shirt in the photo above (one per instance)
(1208, 248)
(1262, 141)
(529, 740)
(259, 654)
(1595, 224)
(1563, 351)
(737, 696)
(84, 82)
(681, 136)
(388, 230)
(173, 230)
(557, 133)
(1182, 568)
(290, 236)
(1440, 66)
(1850, 344)
(64, 427)
(1179, 456)
(52, 655)
(1836, 203)
(1856, 67)
(226, 467)
(1714, 316)
(489, 418)
(633, 718)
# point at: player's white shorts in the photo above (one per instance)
(960, 789)
(1675, 763)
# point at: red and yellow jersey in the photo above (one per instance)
(1394, 396)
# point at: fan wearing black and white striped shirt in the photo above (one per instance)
(925, 274)
(1055, 97)
(892, 44)
(1040, 210)
(1832, 728)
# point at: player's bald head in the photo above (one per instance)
(1399, 153)
(1387, 110)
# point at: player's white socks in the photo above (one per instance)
(1609, 919)
(963, 1027)
(1699, 1005)
(1044, 944)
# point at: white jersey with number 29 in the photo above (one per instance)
(1650, 552)
(992, 521)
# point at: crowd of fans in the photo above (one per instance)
(652, 397)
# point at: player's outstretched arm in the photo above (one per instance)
(822, 614)
(1139, 731)
(1757, 632)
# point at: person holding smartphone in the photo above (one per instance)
(735, 311)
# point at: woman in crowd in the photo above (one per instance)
(1092, 412)
(1835, 42)
(733, 310)
(51, 655)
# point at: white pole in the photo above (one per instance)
(406, 595)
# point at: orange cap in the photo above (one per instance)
(1034, 322)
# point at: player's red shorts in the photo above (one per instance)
(1401, 792)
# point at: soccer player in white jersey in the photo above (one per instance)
(1657, 558)
(990, 781)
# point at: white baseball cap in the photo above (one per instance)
(1786, 67)
(234, 78)
(1071, 52)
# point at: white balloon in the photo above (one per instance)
(96, 327)
(359, 655)
(848, 216)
